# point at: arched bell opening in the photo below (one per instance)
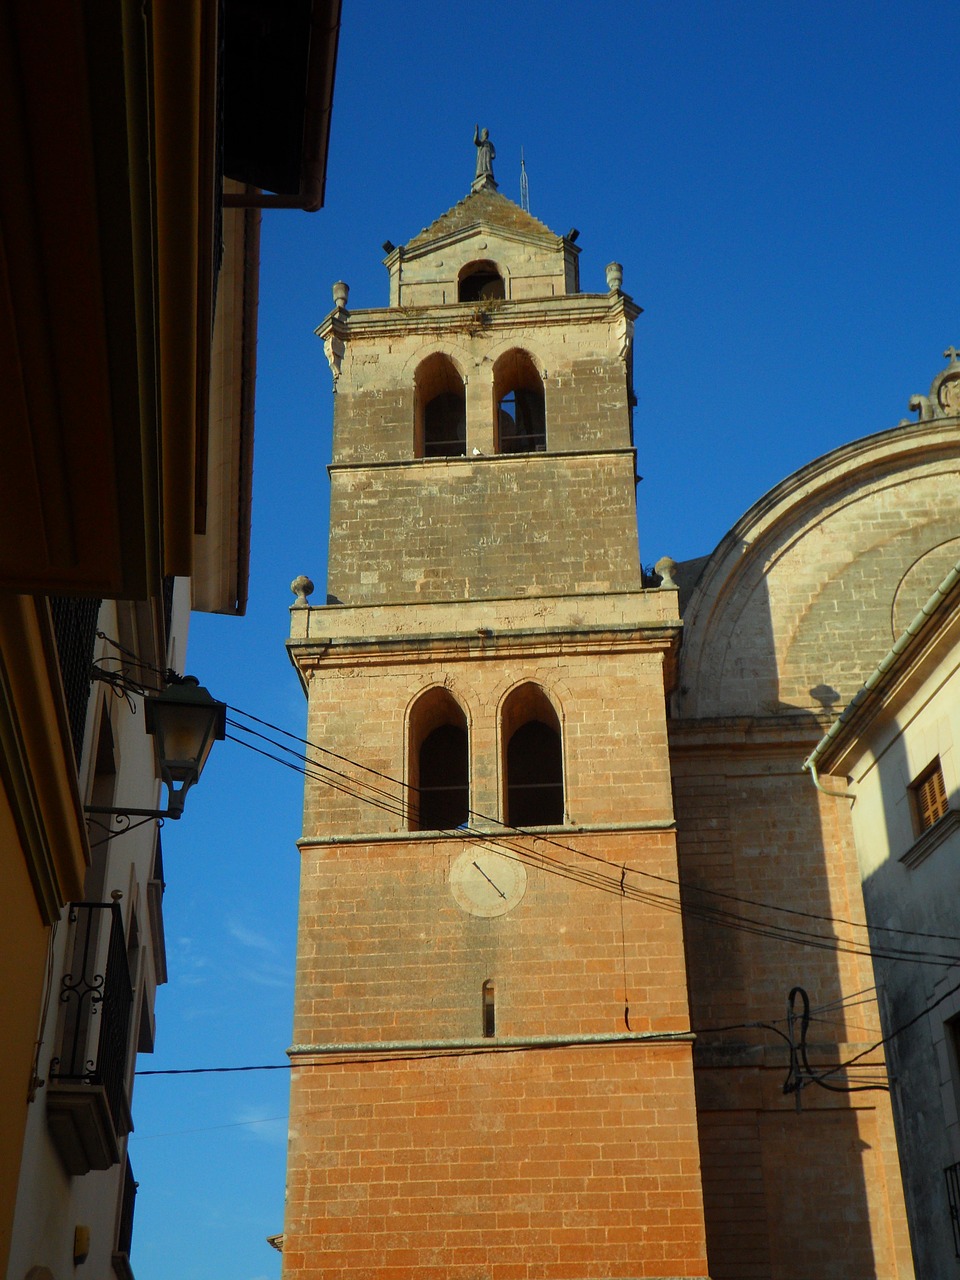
(439, 794)
(520, 409)
(480, 281)
(441, 409)
(532, 760)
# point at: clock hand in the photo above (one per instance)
(489, 881)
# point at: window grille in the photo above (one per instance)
(96, 998)
(952, 1175)
(75, 629)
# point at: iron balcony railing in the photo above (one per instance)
(96, 997)
(952, 1175)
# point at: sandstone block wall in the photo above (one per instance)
(584, 365)
(541, 1165)
(607, 690)
(467, 528)
(809, 592)
(752, 826)
(564, 1162)
(386, 952)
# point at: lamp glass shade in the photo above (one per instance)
(185, 721)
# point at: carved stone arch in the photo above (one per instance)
(454, 352)
(438, 760)
(519, 402)
(532, 770)
(792, 611)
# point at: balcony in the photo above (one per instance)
(87, 1108)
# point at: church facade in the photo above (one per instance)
(560, 866)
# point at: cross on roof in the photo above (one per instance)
(951, 354)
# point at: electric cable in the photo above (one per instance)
(610, 884)
(682, 884)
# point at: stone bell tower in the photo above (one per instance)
(492, 1059)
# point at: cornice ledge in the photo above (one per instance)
(931, 839)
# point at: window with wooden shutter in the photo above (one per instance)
(929, 796)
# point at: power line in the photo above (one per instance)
(606, 880)
(395, 806)
(598, 880)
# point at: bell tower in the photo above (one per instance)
(492, 1068)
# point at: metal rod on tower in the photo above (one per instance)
(524, 186)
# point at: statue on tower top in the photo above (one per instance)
(485, 157)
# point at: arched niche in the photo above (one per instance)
(518, 397)
(441, 409)
(532, 752)
(439, 795)
(480, 281)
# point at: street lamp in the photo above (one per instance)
(184, 721)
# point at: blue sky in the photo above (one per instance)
(781, 186)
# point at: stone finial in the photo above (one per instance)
(301, 587)
(341, 292)
(666, 567)
(486, 155)
(943, 400)
(614, 272)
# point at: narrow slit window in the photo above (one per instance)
(489, 1009)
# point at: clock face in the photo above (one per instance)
(485, 883)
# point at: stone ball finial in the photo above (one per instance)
(301, 587)
(341, 292)
(614, 272)
(666, 568)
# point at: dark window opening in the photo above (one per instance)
(445, 426)
(444, 799)
(522, 422)
(534, 776)
(480, 282)
(521, 409)
(489, 1009)
(441, 409)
